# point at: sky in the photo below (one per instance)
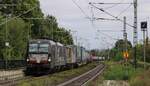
(77, 15)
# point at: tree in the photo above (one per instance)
(52, 31)
(120, 45)
(140, 52)
(24, 9)
(17, 36)
(20, 7)
(2, 38)
(19, 29)
(116, 53)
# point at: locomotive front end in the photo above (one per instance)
(38, 58)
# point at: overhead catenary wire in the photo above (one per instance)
(102, 32)
(114, 5)
(18, 15)
(94, 18)
(104, 19)
(111, 6)
(111, 44)
(110, 14)
(81, 9)
(109, 3)
(110, 30)
(124, 10)
(12, 5)
(108, 35)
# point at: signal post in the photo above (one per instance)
(144, 29)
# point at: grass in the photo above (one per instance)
(56, 78)
(141, 79)
(138, 77)
(118, 72)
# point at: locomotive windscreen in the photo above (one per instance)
(38, 48)
(33, 48)
(43, 48)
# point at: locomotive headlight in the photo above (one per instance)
(49, 60)
(27, 60)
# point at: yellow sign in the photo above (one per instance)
(126, 55)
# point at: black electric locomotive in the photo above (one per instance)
(46, 55)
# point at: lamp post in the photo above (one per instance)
(6, 41)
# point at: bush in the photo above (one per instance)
(118, 57)
(117, 71)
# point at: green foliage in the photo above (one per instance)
(141, 79)
(2, 38)
(118, 57)
(17, 36)
(148, 53)
(139, 51)
(116, 53)
(52, 31)
(116, 71)
(29, 24)
(21, 7)
(120, 45)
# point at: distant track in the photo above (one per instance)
(83, 79)
(15, 81)
(8, 76)
(11, 82)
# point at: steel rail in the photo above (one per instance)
(83, 79)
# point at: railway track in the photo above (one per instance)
(15, 81)
(12, 79)
(78, 81)
(83, 79)
(10, 76)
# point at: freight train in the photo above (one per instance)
(46, 55)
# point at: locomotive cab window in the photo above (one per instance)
(33, 48)
(43, 48)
